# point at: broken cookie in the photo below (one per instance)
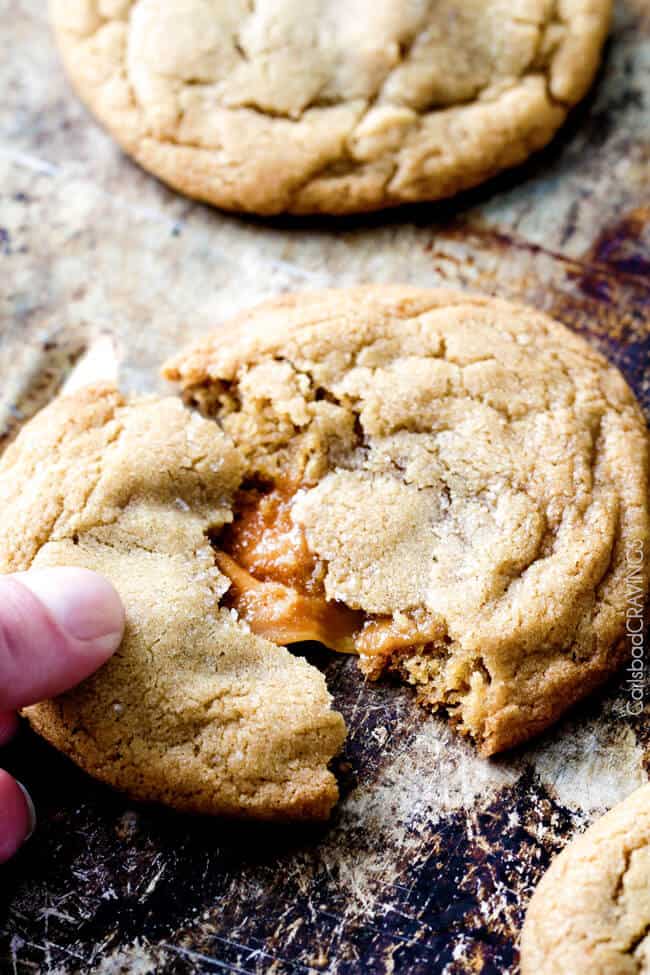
(448, 486)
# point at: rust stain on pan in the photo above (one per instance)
(623, 247)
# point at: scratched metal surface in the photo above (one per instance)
(432, 853)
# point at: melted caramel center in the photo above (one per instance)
(276, 585)
(265, 542)
(276, 582)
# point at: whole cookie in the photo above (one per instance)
(193, 710)
(324, 105)
(455, 488)
(590, 914)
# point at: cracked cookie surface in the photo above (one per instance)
(591, 911)
(325, 106)
(193, 710)
(465, 477)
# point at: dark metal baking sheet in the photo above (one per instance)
(432, 853)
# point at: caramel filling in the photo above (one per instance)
(383, 637)
(276, 585)
(283, 615)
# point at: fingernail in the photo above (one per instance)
(31, 810)
(82, 603)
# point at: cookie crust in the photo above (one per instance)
(318, 108)
(591, 910)
(193, 710)
(462, 458)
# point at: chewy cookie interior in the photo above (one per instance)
(440, 484)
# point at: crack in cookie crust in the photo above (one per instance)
(316, 107)
(461, 459)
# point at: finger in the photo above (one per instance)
(17, 817)
(8, 726)
(57, 626)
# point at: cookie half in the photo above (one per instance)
(193, 710)
(591, 911)
(454, 488)
(324, 106)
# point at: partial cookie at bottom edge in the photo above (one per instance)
(591, 911)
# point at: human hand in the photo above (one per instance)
(57, 626)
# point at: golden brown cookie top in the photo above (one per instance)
(465, 471)
(591, 911)
(193, 709)
(330, 106)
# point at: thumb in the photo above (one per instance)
(57, 626)
(17, 816)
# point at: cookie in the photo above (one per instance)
(455, 488)
(193, 710)
(591, 911)
(329, 107)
